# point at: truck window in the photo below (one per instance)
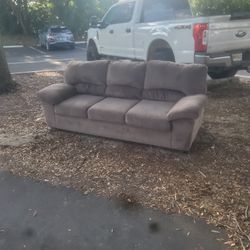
(121, 13)
(161, 10)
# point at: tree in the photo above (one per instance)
(6, 83)
(103, 5)
(28, 16)
(21, 12)
(219, 7)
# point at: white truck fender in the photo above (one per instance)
(93, 36)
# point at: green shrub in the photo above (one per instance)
(219, 7)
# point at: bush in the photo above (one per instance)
(36, 14)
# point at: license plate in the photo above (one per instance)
(237, 57)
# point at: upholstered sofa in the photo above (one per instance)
(157, 103)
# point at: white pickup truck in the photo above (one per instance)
(166, 30)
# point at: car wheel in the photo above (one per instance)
(222, 73)
(72, 46)
(92, 53)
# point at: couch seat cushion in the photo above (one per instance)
(111, 110)
(150, 114)
(77, 106)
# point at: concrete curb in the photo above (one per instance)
(243, 76)
(37, 71)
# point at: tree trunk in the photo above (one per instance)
(6, 83)
(20, 10)
(26, 16)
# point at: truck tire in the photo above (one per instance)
(222, 73)
(92, 53)
(162, 54)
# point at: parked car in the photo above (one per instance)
(166, 30)
(56, 36)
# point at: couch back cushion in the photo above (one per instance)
(125, 79)
(167, 81)
(87, 77)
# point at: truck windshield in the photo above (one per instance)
(160, 10)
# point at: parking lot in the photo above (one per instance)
(23, 59)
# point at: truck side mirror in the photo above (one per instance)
(93, 21)
(102, 25)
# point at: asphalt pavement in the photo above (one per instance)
(33, 59)
(23, 59)
(38, 216)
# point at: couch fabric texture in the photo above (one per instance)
(157, 103)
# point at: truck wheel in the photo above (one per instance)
(222, 73)
(92, 53)
(162, 55)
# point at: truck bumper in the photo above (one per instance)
(229, 60)
(224, 61)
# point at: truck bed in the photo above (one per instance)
(228, 35)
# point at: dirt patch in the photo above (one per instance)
(211, 182)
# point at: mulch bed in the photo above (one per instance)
(211, 182)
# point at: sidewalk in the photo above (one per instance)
(39, 216)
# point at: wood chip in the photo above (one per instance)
(211, 182)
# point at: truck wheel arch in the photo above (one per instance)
(161, 47)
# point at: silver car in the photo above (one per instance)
(56, 36)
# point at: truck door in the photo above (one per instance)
(116, 31)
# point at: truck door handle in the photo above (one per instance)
(111, 31)
(128, 30)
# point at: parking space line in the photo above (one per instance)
(43, 61)
(79, 42)
(12, 46)
(37, 50)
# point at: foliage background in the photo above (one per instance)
(219, 7)
(28, 16)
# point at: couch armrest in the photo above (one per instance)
(56, 93)
(188, 107)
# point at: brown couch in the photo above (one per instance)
(156, 103)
